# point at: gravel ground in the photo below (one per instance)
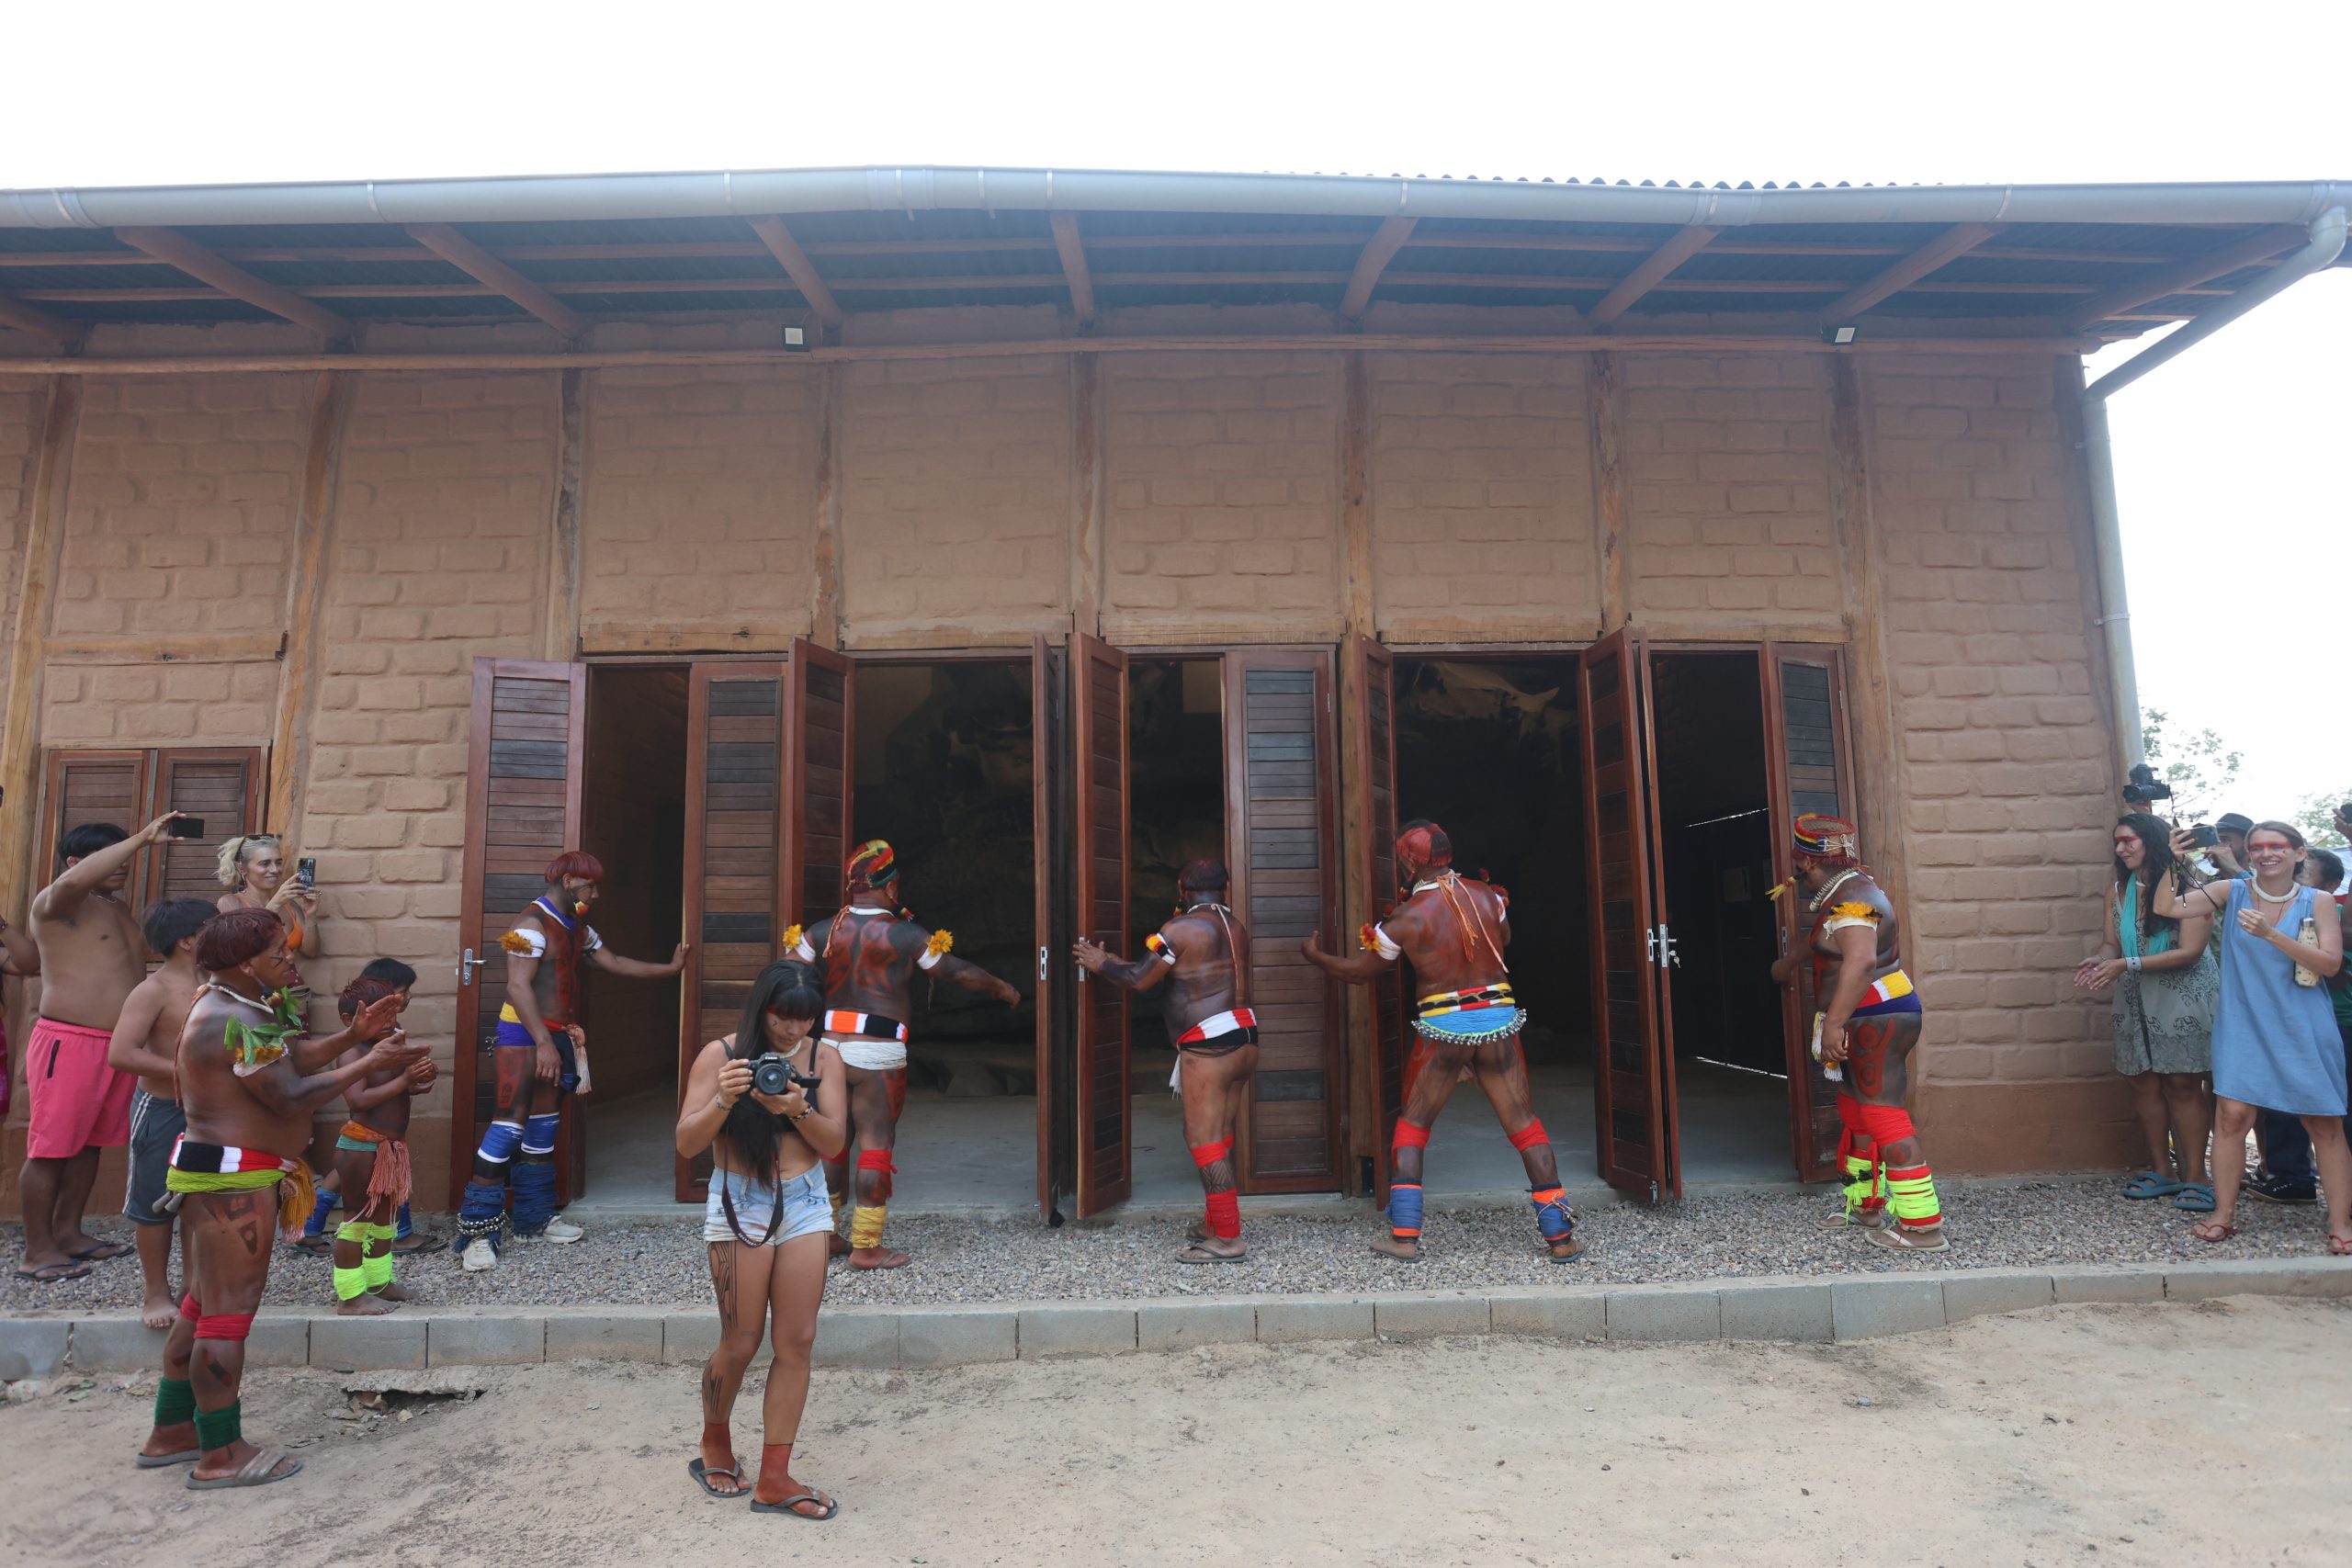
(2067, 1221)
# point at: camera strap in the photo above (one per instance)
(727, 1206)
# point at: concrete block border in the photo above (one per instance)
(1795, 1311)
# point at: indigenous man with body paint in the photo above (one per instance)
(538, 1058)
(146, 1044)
(371, 1160)
(249, 1079)
(1863, 1035)
(92, 956)
(1454, 931)
(1201, 955)
(868, 956)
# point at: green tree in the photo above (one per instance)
(2316, 816)
(2199, 767)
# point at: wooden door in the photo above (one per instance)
(1372, 789)
(83, 787)
(1046, 714)
(1633, 1075)
(220, 786)
(820, 717)
(526, 762)
(1282, 846)
(735, 892)
(1811, 770)
(1098, 722)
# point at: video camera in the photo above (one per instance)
(773, 1074)
(2146, 786)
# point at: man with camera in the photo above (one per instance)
(92, 956)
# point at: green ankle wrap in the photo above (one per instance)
(175, 1402)
(218, 1428)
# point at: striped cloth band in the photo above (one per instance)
(1495, 995)
(869, 1023)
(1220, 1023)
(223, 1159)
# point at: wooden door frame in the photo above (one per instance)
(1083, 656)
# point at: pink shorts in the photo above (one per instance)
(78, 1102)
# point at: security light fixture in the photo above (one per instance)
(796, 337)
(1842, 336)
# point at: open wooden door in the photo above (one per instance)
(1811, 770)
(1098, 723)
(735, 879)
(1372, 789)
(820, 704)
(1046, 715)
(1632, 1076)
(526, 759)
(1282, 836)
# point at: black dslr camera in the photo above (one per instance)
(773, 1074)
(2146, 786)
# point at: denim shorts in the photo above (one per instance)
(806, 1208)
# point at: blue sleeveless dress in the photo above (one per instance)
(2275, 1042)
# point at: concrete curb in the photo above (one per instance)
(1814, 1310)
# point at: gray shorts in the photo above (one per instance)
(155, 1125)
(806, 1209)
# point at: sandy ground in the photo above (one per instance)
(2154, 1435)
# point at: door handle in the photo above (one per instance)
(1041, 963)
(467, 964)
(1670, 955)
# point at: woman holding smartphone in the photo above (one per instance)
(768, 1224)
(253, 869)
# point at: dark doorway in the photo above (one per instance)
(634, 818)
(1715, 830)
(1176, 783)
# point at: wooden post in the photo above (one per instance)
(1086, 494)
(44, 542)
(1607, 426)
(561, 638)
(1878, 740)
(1355, 494)
(825, 552)
(290, 751)
(1359, 1117)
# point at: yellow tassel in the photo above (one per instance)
(791, 942)
(1853, 912)
(516, 942)
(1777, 888)
(940, 943)
(866, 1225)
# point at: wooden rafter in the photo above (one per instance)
(799, 268)
(171, 246)
(485, 268)
(1652, 271)
(1954, 241)
(1073, 254)
(2183, 277)
(40, 323)
(1372, 261)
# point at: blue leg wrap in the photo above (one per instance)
(317, 1223)
(538, 1134)
(404, 1229)
(498, 1141)
(1553, 1217)
(481, 1213)
(534, 1195)
(1405, 1210)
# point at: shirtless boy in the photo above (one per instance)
(868, 956)
(1454, 931)
(146, 1039)
(1201, 954)
(91, 957)
(372, 1162)
(249, 1079)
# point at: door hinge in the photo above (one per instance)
(467, 964)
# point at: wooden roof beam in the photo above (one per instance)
(1652, 271)
(1954, 243)
(2243, 252)
(799, 268)
(171, 246)
(40, 323)
(1372, 261)
(485, 268)
(1073, 255)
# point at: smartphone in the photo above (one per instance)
(184, 828)
(306, 872)
(2203, 837)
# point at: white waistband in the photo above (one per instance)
(873, 1056)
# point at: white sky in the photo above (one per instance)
(2230, 462)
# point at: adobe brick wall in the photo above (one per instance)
(695, 503)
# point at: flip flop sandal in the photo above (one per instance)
(2148, 1184)
(832, 1507)
(1202, 1255)
(2339, 1246)
(1895, 1239)
(702, 1475)
(258, 1471)
(55, 1274)
(2194, 1198)
(1576, 1255)
(2225, 1232)
(101, 1252)
(164, 1462)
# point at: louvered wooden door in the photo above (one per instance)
(1098, 716)
(1046, 712)
(526, 760)
(1282, 835)
(820, 717)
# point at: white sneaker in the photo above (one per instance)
(561, 1232)
(479, 1255)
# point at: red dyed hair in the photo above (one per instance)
(575, 862)
(361, 992)
(235, 937)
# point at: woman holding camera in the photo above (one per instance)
(2165, 984)
(754, 1099)
(253, 869)
(2275, 1041)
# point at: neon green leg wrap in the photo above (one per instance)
(376, 1265)
(350, 1282)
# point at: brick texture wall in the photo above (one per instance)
(1482, 498)
(955, 500)
(1222, 509)
(695, 503)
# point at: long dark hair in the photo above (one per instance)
(2155, 864)
(752, 1132)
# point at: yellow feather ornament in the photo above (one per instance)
(940, 943)
(1852, 910)
(516, 942)
(791, 942)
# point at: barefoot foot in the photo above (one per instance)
(1397, 1248)
(390, 1292)
(158, 1311)
(363, 1305)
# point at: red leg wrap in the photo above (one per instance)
(188, 1308)
(1530, 1136)
(1409, 1136)
(879, 1162)
(1887, 1124)
(1224, 1214)
(1207, 1154)
(224, 1325)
